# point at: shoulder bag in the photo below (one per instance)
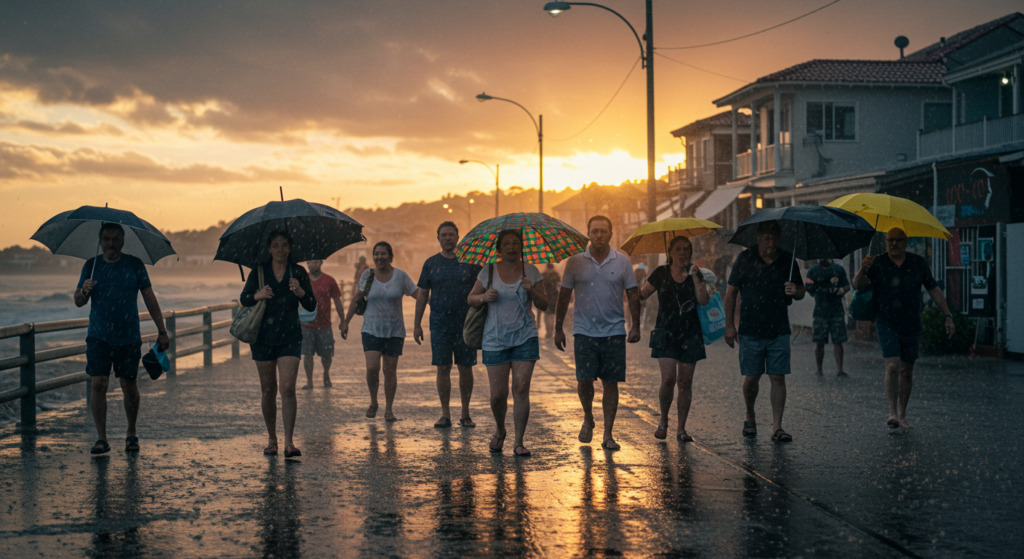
(361, 301)
(473, 327)
(246, 324)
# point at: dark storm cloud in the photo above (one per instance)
(268, 70)
(19, 161)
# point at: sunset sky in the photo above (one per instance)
(188, 113)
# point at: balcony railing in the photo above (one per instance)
(765, 161)
(970, 137)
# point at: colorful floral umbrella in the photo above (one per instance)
(545, 239)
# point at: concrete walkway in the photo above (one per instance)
(952, 486)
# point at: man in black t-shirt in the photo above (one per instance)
(769, 280)
(897, 278)
(827, 283)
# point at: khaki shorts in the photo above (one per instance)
(318, 342)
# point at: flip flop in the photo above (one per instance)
(684, 438)
(586, 433)
(101, 447)
(781, 436)
(893, 423)
(466, 422)
(443, 423)
(131, 444)
(749, 429)
(525, 452)
(499, 445)
(661, 433)
(270, 451)
(371, 411)
(291, 452)
(392, 418)
(606, 446)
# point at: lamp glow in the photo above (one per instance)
(555, 8)
(1005, 79)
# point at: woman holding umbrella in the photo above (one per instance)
(510, 344)
(677, 342)
(277, 347)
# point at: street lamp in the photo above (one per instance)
(496, 172)
(469, 211)
(539, 126)
(647, 55)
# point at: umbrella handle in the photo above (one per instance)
(793, 262)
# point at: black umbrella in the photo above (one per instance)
(77, 233)
(317, 231)
(810, 232)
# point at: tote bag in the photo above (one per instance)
(712, 319)
(473, 328)
(246, 325)
(862, 307)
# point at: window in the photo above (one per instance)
(832, 121)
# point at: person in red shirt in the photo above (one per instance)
(317, 338)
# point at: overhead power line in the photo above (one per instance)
(699, 68)
(750, 34)
(606, 105)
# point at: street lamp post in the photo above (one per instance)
(496, 172)
(538, 124)
(468, 209)
(647, 55)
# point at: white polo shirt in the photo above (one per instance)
(599, 311)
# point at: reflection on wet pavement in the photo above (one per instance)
(369, 488)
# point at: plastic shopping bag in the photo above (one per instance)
(712, 319)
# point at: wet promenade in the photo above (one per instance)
(952, 486)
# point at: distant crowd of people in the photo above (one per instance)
(763, 282)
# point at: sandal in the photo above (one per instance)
(291, 452)
(781, 436)
(101, 447)
(498, 444)
(371, 411)
(270, 451)
(749, 429)
(131, 444)
(390, 417)
(525, 452)
(684, 438)
(443, 423)
(606, 446)
(467, 422)
(586, 433)
(661, 433)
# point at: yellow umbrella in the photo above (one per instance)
(654, 238)
(886, 212)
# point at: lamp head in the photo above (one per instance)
(1005, 79)
(463, 161)
(483, 97)
(445, 206)
(555, 8)
(470, 200)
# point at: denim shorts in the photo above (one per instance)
(392, 347)
(897, 344)
(318, 342)
(273, 352)
(100, 357)
(444, 345)
(527, 351)
(600, 358)
(764, 355)
(685, 351)
(826, 327)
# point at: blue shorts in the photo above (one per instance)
(273, 352)
(600, 358)
(527, 351)
(764, 355)
(100, 357)
(443, 345)
(897, 344)
(392, 347)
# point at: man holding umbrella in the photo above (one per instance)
(769, 280)
(113, 283)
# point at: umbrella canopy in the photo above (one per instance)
(810, 231)
(545, 239)
(77, 233)
(884, 212)
(317, 231)
(654, 238)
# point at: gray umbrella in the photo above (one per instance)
(77, 233)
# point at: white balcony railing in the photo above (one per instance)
(970, 137)
(765, 160)
(743, 165)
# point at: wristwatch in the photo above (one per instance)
(161, 333)
(949, 315)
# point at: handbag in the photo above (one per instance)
(361, 301)
(473, 327)
(246, 324)
(712, 319)
(862, 306)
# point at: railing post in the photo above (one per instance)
(172, 350)
(918, 144)
(235, 345)
(28, 378)
(208, 337)
(984, 131)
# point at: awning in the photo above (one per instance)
(692, 199)
(717, 201)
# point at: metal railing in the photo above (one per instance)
(28, 357)
(978, 135)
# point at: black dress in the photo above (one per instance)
(680, 335)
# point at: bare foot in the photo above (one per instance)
(389, 416)
(610, 444)
(587, 432)
(307, 387)
(904, 423)
(371, 411)
(327, 381)
(892, 422)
